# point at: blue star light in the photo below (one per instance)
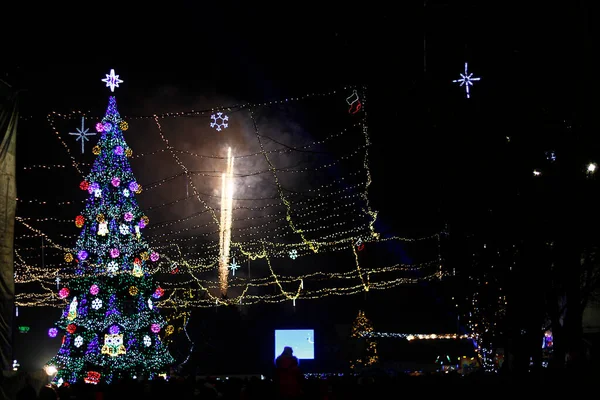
(112, 80)
(466, 80)
(233, 267)
(82, 134)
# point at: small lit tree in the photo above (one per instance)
(366, 345)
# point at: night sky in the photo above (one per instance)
(439, 161)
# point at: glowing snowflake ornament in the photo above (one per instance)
(466, 80)
(82, 134)
(233, 267)
(293, 254)
(96, 304)
(78, 341)
(112, 81)
(112, 267)
(219, 121)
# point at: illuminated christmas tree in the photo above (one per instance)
(110, 324)
(366, 345)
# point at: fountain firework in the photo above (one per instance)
(225, 228)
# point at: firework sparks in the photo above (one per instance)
(225, 229)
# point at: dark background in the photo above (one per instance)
(439, 162)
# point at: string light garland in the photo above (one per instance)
(416, 336)
(270, 234)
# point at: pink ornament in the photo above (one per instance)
(115, 181)
(155, 328)
(100, 127)
(63, 293)
(94, 289)
(114, 253)
(128, 217)
(154, 257)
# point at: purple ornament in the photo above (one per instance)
(94, 289)
(100, 127)
(114, 253)
(107, 127)
(52, 332)
(82, 255)
(119, 150)
(115, 181)
(142, 224)
(154, 257)
(128, 217)
(155, 328)
(133, 186)
(114, 330)
(93, 186)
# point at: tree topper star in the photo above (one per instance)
(466, 80)
(82, 134)
(112, 80)
(233, 267)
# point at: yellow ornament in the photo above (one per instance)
(146, 220)
(124, 125)
(68, 257)
(169, 330)
(96, 150)
(133, 290)
(144, 256)
(128, 152)
(100, 218)
(139, 189)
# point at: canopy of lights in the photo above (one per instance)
(247, 204)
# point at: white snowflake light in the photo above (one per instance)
(124, 229)
(147, 341)
(96, 304)
(466, 80)
(97, 193)
(112, 267)
(78, 341)
(219, 121)
(233, 267)
(82, 134)
(293, 254)
(112, 81)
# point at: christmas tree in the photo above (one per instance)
(110, 324)
(366, 347)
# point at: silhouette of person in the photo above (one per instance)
(27, 392)
(288, 375)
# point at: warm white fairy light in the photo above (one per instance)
(591, 168)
